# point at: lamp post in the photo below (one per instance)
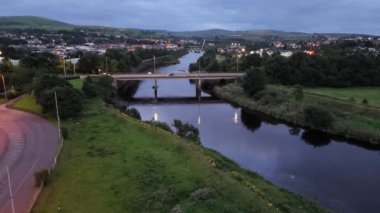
(10, 191)
(5, 88)
(64, 66)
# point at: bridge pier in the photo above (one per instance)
(198, 89)
(155, 88)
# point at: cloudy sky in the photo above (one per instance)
(351, 16)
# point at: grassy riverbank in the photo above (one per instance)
(352, 120)
(352, 94)
(113, 163)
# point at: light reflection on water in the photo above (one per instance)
(338, 175)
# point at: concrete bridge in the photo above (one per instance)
(196, 76)
(176, 75)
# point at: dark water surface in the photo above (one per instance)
(338, 175)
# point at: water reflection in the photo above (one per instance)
(294, 130)
(283, 154)
(250, 120)
(315, 138)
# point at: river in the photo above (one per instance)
(336, 174)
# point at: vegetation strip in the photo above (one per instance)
(361, 123)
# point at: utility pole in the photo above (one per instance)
(237, 63)
(64, 66)
(58, 119)
(5, 88)
(10, 190)
(107, 65)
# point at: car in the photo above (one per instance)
(171, 74)
(149, 73)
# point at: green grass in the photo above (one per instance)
(2, 100)
(77, 83)
(351, 120)
(355, 94)
(28, 103)
(113, 163)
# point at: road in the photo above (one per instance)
(28, 143)
(193, 76)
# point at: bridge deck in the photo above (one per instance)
(173, 76)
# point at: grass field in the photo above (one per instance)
(351, 120)
(77, 83)
(113, 163)
(2, 100)
(28, 103)
(357, 94)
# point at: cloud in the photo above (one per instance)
(292, 15)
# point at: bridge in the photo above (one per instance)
(176, 76)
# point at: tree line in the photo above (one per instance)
(332, 66)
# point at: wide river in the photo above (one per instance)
(336, 174)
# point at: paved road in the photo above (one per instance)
(194, 76)
(28, 143)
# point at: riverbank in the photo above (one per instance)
(113, 163)
(352, 121)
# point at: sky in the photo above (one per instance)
(321, 16)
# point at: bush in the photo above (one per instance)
(298, 92)
(70, 101)
(89, 89)
(161, 125)
(186, 130)
(65, 132)
(254, 81)
(203, 194)
(133, 112)
(41, 177)
(365, 101)
(47, 82)
(318, 117)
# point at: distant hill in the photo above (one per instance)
(33, 22)
(257, 35)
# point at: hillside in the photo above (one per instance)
(256, 35)
(22, 22)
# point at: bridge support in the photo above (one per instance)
(155, 88)
(198, 89)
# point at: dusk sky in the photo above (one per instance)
(350, 16)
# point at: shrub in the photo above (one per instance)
(365, 101)
(70, 101)
(203, 194)
(186, 130)
(254, 81)
(161, 125)
(65, 132)
(41, 177)
(133, 112)
(298, 92)
(89, 88)
(47, 82)
(318, 117)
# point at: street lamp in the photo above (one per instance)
(5, 88)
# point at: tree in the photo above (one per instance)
(186, 130)
(46, 82)
(70, 101)
(318, 117)
(89, 89)
(89, 63)
(254, 81)
(298, 92)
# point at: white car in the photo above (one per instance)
(149, 73)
